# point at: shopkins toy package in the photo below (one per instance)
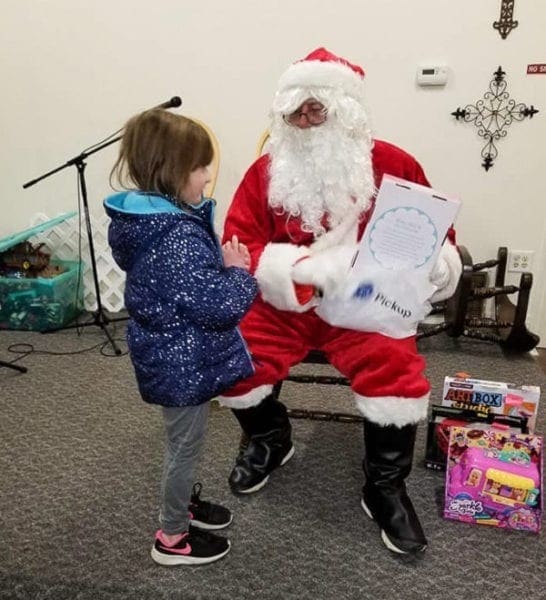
(495, 397)
(494, 478)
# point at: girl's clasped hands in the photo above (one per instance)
(236, 254)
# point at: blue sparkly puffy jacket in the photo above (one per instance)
(184, 304)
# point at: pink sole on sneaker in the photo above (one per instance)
(173, 560)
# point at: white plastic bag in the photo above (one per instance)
(387, 301)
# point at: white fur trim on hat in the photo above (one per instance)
(252, 398)
(314, 73)
(322, 68)
(274, 275)
(393, 410)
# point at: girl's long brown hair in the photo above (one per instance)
(158, 152)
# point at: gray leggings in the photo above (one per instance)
(185, 428)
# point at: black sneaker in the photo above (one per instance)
(207, 515)
(196, 547)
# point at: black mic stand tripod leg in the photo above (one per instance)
(99, 318)
(13, 366)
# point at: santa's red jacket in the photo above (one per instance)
(280, 332)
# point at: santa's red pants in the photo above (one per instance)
(375, 365)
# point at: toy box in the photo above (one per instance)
(494, 479)
(496, 397)
(41, 304)
(444, 417)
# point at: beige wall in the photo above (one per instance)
(74, 70)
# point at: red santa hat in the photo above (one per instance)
(322, 68)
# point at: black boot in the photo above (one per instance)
(267, 429)
(387, 463)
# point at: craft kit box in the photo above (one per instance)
(39, 303)
(495, 397)
(494, 479)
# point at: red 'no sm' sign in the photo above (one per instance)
(538, 69)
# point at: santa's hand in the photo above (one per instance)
(446, 273)
(326, 270)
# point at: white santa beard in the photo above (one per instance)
(324, 169)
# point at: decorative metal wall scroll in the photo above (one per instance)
(505, 24)
(493, 115)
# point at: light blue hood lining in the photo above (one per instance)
(139, 203)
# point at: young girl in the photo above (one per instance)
(185, 296)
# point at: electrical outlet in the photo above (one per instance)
(520, 261)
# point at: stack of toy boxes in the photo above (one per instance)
(479, 404)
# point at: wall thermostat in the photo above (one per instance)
(432, 75)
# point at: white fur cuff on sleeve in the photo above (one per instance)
(446, 272)
(274, 275)
(326, 270)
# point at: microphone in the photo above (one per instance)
(172, 103)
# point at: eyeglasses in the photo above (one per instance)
(315, 114)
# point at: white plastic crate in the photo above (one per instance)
(66, 240)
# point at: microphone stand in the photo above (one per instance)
(12, 366)
(100, 319)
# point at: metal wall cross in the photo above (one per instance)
(493, 114)
(506, 23)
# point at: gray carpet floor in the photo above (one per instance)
(80, 459)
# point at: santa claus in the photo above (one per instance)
(301, 210)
